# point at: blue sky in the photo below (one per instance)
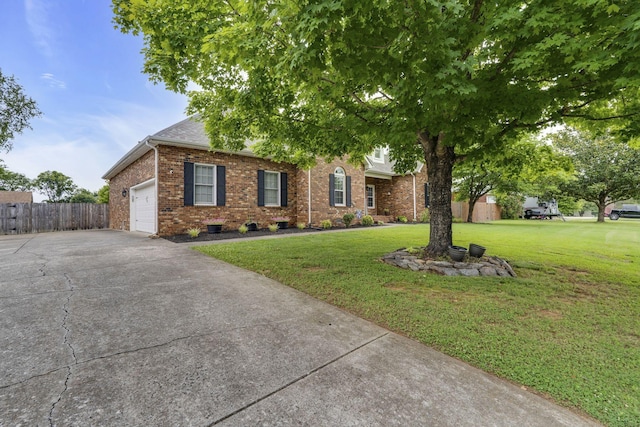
(87, 79)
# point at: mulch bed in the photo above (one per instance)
(235, 234)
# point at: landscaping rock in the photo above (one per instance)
(485, 266)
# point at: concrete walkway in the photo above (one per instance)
(115, 329)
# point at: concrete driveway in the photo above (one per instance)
(113, 328)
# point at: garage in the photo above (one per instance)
(143, 207)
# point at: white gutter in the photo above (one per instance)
(415, 213)
(309, 205)
(155, 151)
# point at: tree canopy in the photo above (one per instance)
(13, 181)
(103, 194)
(524, 167)
(606, 171)
(433, 80)
(16, 110)
(55, 185)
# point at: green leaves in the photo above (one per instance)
(16, 110)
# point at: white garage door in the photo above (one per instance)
(144, 208)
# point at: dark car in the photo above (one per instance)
(624, 213)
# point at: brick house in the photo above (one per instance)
(172, 180)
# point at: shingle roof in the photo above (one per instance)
(16, 197)
(189, 130)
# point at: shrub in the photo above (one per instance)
(301, 225)
(326, 224)
(367, 220)
(403, 219)
(425, 216)
(193, 232)
(510, 205)
(243, 229)
(380, 222)
(273, 227)
(348, 219)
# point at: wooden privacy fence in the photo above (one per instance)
(481, 211)
(20, 218)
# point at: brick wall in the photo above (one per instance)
(396, 195)
(320, 208)
(241, 191)
(139, 171)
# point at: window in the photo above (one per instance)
(271, 188)
(204, 182)
(371, 196)
(378, 155)
(339, 187)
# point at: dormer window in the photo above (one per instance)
(378, 155)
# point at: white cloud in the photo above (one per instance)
(37, 15)
(84, 146)
(53, 82)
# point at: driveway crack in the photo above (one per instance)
(67, 342)
(296, 380)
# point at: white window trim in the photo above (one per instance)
(279, 192)
(373, 196)
(343, 176)
(380, 158)
(195, 193)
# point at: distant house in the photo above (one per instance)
(16, 197)
(172, 180)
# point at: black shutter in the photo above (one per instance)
(348, 190)
(283, 189)
(188, 183)
(332, 190)
(221, 182)
(426, 195)
(260, 188)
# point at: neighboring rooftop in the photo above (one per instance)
(16, 197)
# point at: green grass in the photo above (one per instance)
(568, 327)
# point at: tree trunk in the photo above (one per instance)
(472, 205)
(439, 160)
(602, 205)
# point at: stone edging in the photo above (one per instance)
(485, 266)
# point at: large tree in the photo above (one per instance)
(57, 186)
(606, 170)
(16, 110)
(431, 79)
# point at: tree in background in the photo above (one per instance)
(103, 194)
(606, 170)
(16, 110)
(55, 185)
(82, 195)
(13, 181)
(516, 169)
(432, 80)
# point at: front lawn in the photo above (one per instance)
(568, 327)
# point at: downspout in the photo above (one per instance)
(155, 151)
(366, 201)
(309, 202)
(415, 213)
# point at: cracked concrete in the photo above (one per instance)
(112, 328)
